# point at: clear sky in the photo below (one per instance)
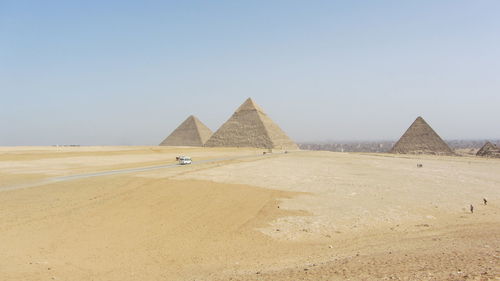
(128, 72)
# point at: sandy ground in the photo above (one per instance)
(296, 216)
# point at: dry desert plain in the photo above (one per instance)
(246, 216)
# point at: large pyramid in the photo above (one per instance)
(420, 138)
(190, 133)
(249, 126)
(489, 150)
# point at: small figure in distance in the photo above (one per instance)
(419, 165)
(485, 201)
(471, 209)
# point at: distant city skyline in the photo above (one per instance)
(129, 72)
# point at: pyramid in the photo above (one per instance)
(249, 126)
(190, 133)
(489, 150)
(420, 138)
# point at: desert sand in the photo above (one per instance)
(297, 216)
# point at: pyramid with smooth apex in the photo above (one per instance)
(249, 126)
(190, 133)
(489, 150)
(420, 138)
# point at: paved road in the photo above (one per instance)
(116, 172)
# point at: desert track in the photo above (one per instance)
(116, 172)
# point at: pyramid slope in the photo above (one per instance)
(489, 150)
(420, 138)
(192, 132)
(249, 126)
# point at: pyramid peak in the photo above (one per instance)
(249, 105)
(194, 118)
(420, 119)
(489, 145)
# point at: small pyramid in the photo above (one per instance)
(190, 133)
(420, 138)
(249, 126)
(489, 150)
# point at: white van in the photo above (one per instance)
(184, 160)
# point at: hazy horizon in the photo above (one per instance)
(128, 73)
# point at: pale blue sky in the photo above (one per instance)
(129, 72)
